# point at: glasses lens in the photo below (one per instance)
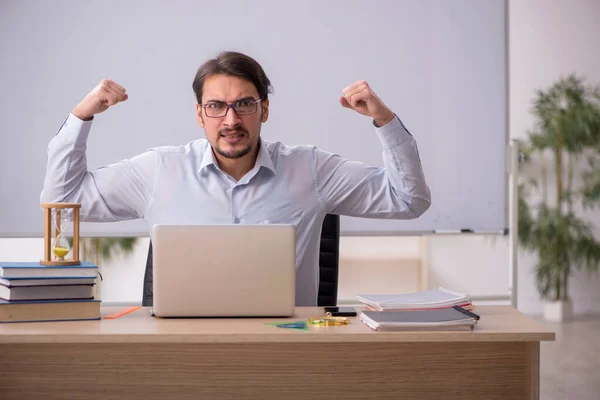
(215, 109)
(245, 107)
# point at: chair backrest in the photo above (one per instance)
(329, 260)
(329, 257)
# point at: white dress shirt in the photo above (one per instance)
(295, 185)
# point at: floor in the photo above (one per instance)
(570, 366)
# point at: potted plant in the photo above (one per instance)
(99, 250)
(566, 134)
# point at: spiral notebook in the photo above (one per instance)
(454, 318)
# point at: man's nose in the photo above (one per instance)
(231, 118)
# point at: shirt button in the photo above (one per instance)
(236, 221)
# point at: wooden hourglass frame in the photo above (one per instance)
(52, 235)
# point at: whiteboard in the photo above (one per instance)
(440, 65)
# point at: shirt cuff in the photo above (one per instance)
(75, 130)
(393, 133)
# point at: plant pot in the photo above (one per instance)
(558, 311)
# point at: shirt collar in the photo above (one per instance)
(263, 159)
(207, 158)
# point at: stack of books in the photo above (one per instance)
(31, 292)
(436, 309)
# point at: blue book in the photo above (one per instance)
(29, 269)
(60, 281)
(49, 310)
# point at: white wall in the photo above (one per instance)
(548, 38)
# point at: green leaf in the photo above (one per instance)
(104, 249)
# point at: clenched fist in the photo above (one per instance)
(360, 97)
(106, 94)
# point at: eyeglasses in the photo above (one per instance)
(218, 109)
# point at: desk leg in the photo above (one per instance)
(533, 370)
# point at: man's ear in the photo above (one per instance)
(265, 110)
(199, 116)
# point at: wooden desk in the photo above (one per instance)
(140, 357)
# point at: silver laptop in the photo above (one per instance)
(224, 270)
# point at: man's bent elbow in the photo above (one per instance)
(51, 196)
(419, 206)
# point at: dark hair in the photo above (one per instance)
(234, 64)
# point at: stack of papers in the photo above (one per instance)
(446, 319)
(439, 298)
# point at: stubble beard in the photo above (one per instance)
(237, 154)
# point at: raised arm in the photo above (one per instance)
(398, 190)
(115, 192)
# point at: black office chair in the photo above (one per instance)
(329, 258)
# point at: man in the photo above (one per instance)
(234, 176)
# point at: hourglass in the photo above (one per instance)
(57, 219)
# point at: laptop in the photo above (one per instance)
(224, 270)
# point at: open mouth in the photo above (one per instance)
(233, 137)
